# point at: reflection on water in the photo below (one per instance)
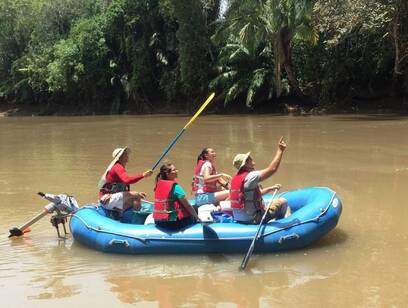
(206, 283)
(55, 288)
(363, 262)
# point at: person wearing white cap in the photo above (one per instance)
(114, 185)
(246, 193)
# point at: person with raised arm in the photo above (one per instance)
(246, 192)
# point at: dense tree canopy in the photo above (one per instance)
(109, 56)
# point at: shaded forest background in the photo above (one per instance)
(147, 56)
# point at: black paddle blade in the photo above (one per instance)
(246, 258)
(15, 232)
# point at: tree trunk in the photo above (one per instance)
(286, 58)
(292, 79)
(277, 69)
(396, 76)
(283, 58)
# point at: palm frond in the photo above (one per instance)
(223, 79)
(232, 93)
(257, 81)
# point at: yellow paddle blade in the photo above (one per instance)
(209, 99)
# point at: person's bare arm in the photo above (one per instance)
(274, 164)
(184, 202)
(210, 178)
(267, 190)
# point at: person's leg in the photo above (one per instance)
(131, 199)
(221, 195)
(115, 202)
(208, 198)
(201, 199)
(278, 208)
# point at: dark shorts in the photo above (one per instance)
(174, 225)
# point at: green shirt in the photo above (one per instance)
(178, 193)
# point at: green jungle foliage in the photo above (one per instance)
(110, 56)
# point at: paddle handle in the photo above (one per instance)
(251, 248)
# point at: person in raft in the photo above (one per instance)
(246, 193)
(171, 208)
(114, 186)
(209, 186)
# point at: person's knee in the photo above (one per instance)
(131, 199)
(278, 208)
(134, 194)
(221, 195)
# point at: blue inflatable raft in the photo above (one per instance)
(315, 211)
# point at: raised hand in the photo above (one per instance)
(282, 144)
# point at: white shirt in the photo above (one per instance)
(200, 184)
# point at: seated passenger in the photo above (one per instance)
(246, 193)
(206, 179)
(114, 185)
(171, 208)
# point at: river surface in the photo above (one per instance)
(363, 262)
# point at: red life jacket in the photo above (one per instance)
(237, 193)
(112, 187)
(207, 187)
(163, 205)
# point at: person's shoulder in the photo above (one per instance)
(255, 172)
(177, 185)
(178, 189)
(117, 167)
(253, 175)
(207, 164)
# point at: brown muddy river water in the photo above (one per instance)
(363, 262)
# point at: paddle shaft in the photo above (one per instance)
(169, 147)
(208, 100)
(251, 248)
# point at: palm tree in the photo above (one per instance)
(274, 23)
(283, 21)
(243, 71)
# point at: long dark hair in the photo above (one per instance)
(164, 170)
(202, 155)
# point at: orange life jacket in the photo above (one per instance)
(163, 205)
(237, 193)
(198, 180)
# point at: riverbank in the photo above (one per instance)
(10, 110)
(282, 106)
